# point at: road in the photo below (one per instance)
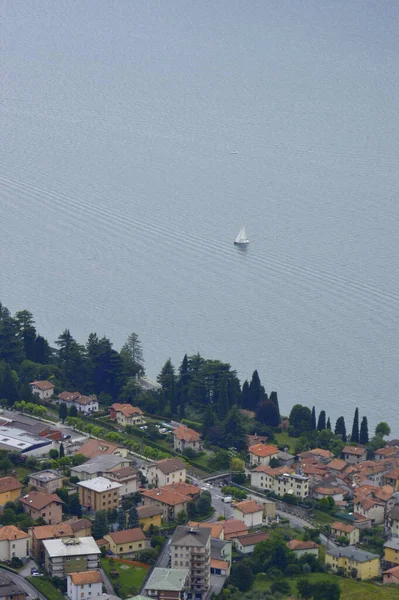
(25, 585)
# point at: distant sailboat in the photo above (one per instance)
(241, 239)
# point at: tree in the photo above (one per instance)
(321, 423)
(267, 412)
(167, 379)
(62, 450)
(382, 429)
(181, 517)
(328, 426)
(355, 427)
(100, 525)
(340, 428)
(241, 576)
(300, 420)
(191, 511)
(63, 411)
(245, 396)
(27, 332)
(132, 356)
(183, 387)
(256, 392)
(133, 517)
(274, 400)
(313, 424)
(281, 587)
(204, 504)
(326, 591)
(305, 588)
(9, 385)
(364, 432)
(234, 434)
(11, 346)
(74, 506)
(73, 411)
(122, 521)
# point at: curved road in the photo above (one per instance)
(25, 585)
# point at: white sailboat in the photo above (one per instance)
(241, 239)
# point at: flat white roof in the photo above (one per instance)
(20, 439)
(71, 547)
(99, 484)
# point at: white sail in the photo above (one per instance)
(242, 236)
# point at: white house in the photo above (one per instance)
(44, 389)
(249, 512)
(300, 548)
(370, 508)
(85, 585)
(84, 404)
(165, 471)
(13, 543)
(261, 454)
(282, 480)
(245, 544)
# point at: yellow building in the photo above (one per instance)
(10, 490)
(391, 552)
(355, 563)
(99, 493)
(125, 543)
(350, 532)
(150, 515)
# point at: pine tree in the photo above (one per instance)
(208, 420)
(364, 432)
(234, 434)
(62, 450)
(340, 428)
(255, 395)
(355, 427)
(167, 379)
(321, 423)
(328, 426)
(267, 412)
(121, 520)
(133, 518)
(313, 425)
(100, 525)
(63, 411)
(245, 396)
(274, 400)
(183, 387)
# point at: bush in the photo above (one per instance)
(275, 573)
(147, 556)
(114, 573)
(16, 563)
(282, 587)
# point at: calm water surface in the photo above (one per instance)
(139, 136)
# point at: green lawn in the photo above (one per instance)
(283, 439)
(350, 589)
(46, 588)
(130, 578)
(22, 472)
(323, 518)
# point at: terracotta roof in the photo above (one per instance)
(386, 451)
(320, 452)
(394, 474)
(252, 538)
(127, 409)
(173, 493)
(354, 450)
(186, 434)
(384, 493)
(126, 536)
(312, 470)
(68, 396)
(216, 528)
(263, 450)
(121, 473)
(86, 577)
(39, 500)
(10, 532)
(256, 439)
(9, 483)
(360, 518)
(329, 491)
(367, 503)
(299, 545)
(233, 526)
(248, 506)
(394, 571)
(43, 385)
(79, 524)
(169, 465)
(219, 564)
(97, 448)
(86, 400)
(339, 526)
(148, 511)
(337, 464)
(47, 532)
(102, 542)
(273, 472)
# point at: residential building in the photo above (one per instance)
(249, 512)
(326, 491)
(261, 454)
(256, 439)
(84, 404)
(184, 438)
(392, 478)
(285, 459)
(386, 452)
(93, 448)
(99, 493)
(127, 542)
(299, 548)
(170, 584)
(46, 506)
(172, 498)
(393, 520)
(336, 466)
(85, 585)
(71, 555)
(319, 454)
(355, 562)
(47, 532)
(165, 471)
(293, 484)
(216, 528)
(44, 389)
(99, 466)
(350, 532)
(126, 414)
(80, 527)
(391, 552)
(13, 543)
(233, 528)
(245, 544)
(13, 439)
(354, 454)
(190, 548)
(370, 508)
(10, 589)
(10, 489)
(46, 481)
(150, 515)
(391, 576)
(221, 557)
(127, 477)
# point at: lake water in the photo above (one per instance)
(139, 136)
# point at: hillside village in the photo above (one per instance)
(105, 515)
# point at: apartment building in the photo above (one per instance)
(71, 555)
(127, 477)
(184, 438)
(350, 532)
(354, 454)
(99, 493)
(98, 466)
(280, 481)
(165, 471)
(355, 562)
(191, 549)
(46, 506)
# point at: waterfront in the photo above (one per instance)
(120, 196)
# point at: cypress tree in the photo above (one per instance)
(255, 391)
(340, 428)
(355, 427)
(62, 451)
(321, 423)
(313, 425)
(245, 395)
(328, 426)
(364, 432)
(274, 400)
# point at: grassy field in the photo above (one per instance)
(46, 588)
(323, 518)
(350, 589)
(283, 439)
(22, 471)
(130, 577)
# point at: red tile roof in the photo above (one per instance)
(39, 500)
(263, 450)
(128, 535)
(186, 434)
(43, 385)
(9, 483)
(248, 507)
(354, 450)
(339, 526)
(299, 545)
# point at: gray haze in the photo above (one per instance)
(138, 136)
